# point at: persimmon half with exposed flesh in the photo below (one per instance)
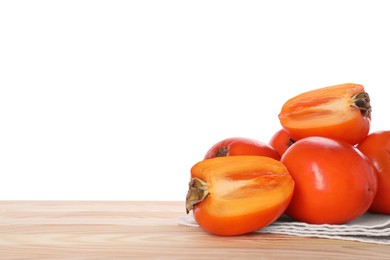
(235, 195)
(340, 112)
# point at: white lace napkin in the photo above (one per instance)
(369, 228)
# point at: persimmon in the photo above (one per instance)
(376, 146)
(340, 112)
(241, 146)
(281, 141)
(235, 195)
(334, 182)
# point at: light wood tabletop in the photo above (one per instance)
(146, 230)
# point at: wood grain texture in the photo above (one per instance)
(146, 230)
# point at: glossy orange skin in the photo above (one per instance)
(281, 141)
(238, 225)
(330, 105)
(242, 146)
(352, 131)
(334, 182)
(376, 146)
(269, 194)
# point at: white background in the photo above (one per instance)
(118, 99)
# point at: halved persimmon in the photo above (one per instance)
(340, 112)
(235, 195)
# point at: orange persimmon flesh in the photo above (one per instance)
(339, 112)
(239, 194)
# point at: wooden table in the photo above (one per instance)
(146, 230)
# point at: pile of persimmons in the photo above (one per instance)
(322, 167)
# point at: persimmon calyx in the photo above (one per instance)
(362, 101)
(222, 151)
(196, 193)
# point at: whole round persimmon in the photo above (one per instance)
(280, 141)
(334, 182)
(241, 146)
(235, 195)
(376, 146)
(340, 112)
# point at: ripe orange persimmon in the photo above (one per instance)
(241, 146)
(376, 146)
(280, 141)
(235, 195)
(334, 182)
(340, 112)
